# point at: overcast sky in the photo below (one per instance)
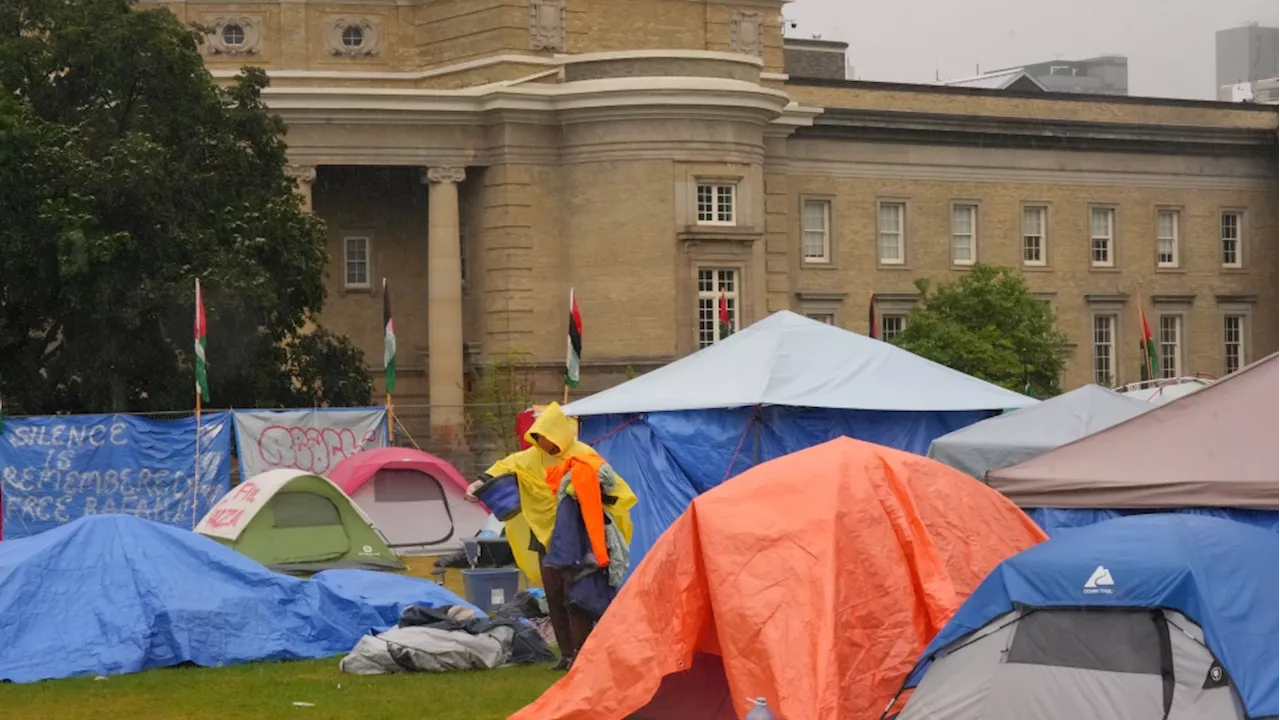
(1169, 43)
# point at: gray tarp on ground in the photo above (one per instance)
(1213, 448)
(1010, 438)
(422, 649)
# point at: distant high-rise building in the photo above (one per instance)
(1245, 56)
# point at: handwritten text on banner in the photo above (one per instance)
(56, 469)
(313, 441)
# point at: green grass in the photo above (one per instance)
(268, 690)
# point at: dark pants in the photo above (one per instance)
(571, 624)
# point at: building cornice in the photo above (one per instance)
(584, 101)
(1038, 134)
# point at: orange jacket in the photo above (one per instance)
(584, 475)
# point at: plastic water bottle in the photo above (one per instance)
(761, 711)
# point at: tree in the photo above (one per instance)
(125, 173)
(988, 325)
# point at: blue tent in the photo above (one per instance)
(1220, 574)
(784, 384)
(112, 594)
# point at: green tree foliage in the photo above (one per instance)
(500, 391)
(988, 325)
(125, 173)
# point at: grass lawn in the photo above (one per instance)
(268, 690)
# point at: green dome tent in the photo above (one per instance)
(296, 522)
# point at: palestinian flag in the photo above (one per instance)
(726, 320)
(872, 323)
(573, 358)
(1151, 361)
(202, 372)
(388, 338)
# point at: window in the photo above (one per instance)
(397, 486)
(891, 220)
(1102, 223)
(714, 286)
(827, 318)
(1170, 346)
(352, 36)
(304, 509)
(1233, 342)
(1033, 235)
(1104, 350)
(964, 227)
(1167, 238)
(233, 35)
(357, 261)
(1231, 222)
(716, 203)
(817, 231)
(892, 325)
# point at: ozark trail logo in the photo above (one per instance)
(1099, 583)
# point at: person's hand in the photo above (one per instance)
(470, 495)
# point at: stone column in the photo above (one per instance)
(444, 304)
(306, 177)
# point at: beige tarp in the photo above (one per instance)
(1212, 448)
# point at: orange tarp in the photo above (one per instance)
(814, 580)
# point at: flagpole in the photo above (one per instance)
(195, 492)
(391, 429)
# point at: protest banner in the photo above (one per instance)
(310, 440)
(55, 469)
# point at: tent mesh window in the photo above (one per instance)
(1126, 641)
(295, 510)
(393, 486)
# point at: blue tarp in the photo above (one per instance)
(1221, 574)
(1053, 520)
(669, 458)
(115, 594)
(59, 468)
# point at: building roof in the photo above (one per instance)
(994, 80)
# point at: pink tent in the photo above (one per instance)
(414, 498)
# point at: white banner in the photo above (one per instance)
(310, 440)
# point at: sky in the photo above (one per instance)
(1169, 43)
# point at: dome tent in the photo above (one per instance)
(783, 384)
(293, 521)
(836, 562)
(1152, 616)
(414, 498)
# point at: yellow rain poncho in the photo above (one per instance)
(537, 500)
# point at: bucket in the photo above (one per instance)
(501, 495)
(489, 588)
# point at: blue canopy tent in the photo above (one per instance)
(1212, 452)
(781, 385)
(1115, 619)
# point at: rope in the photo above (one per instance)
(615, 431)
(729, 470)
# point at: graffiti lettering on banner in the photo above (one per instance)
(313, 441)
(56, 469)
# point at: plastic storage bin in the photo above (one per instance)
(489, 588)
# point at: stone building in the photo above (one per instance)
(485, 156)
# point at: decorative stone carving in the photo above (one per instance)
(353, 37)
(746, 33)
(444, 175)
(546, 24)
(304, 174)
(233, 35)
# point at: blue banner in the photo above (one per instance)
(56, 469)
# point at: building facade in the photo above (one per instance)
(1103, 75)
(486, 156)
(1246, 54)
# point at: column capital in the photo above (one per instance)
(304, 174)
(444, 175)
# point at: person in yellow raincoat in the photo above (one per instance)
(553, 440)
